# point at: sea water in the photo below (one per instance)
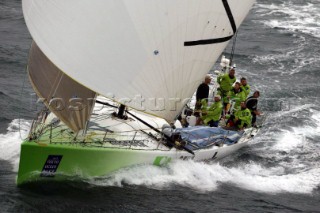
(277, 49)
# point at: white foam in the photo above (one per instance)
(295, 170)
(205, 177)
(304, 182)
(279, 61)
(289, 141)
(285, 177)
(295, 139)
(295, 17)
(301, 20)
(292, 110)
(185, 174)
(316, 118)
(10, 141)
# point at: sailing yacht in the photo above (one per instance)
(114, 77)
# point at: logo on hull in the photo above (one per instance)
(161, 161)
(51, 165)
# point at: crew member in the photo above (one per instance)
(202, 93)
(212, 115)
(241, 118)
(237, 94)
(226, 81)
(252, 105)
(245, 86)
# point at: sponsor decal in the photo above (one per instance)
(214, 156)
(51, 165)
(187, 157)
(161, 161)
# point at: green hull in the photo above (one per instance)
(45, 161)
(58, 161)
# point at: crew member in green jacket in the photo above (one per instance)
(226, 81)
(211, 116)
(238, 95)
(241, 118)
(245, 86)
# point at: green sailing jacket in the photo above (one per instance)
(213, 112)
(225, 82)
(246, 89)
(244, 115)
(237, 97)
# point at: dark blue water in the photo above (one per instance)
(277, 49)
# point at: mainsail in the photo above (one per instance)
(147, 54)
(69, 100)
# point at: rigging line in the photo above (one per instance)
(39, 51)
(19, 111)
(59, 82)
(107, 104)
(233, 48)
(234, 41)
(217, 40)
(155, 129)
(22, 88)
(150, 135)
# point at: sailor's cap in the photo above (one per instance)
(208, 77)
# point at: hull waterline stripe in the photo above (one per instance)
(217, 40)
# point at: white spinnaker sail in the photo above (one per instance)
(127, 49)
